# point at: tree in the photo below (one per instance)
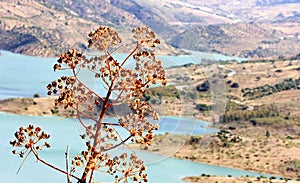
(123, 85)
(204, 87)
(258, 78)
(268, 134)
(235, 85)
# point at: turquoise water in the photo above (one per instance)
(23, 76)
(66, 132)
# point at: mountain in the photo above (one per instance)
(48, 27)
(274, 2)
(240, 39)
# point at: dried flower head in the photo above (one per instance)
(71, 59)
(29, 138)
(145, 35)
(122, 85)
(104, 38)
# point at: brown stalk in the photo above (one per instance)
(100, 121)
(51, 166)
(67, 164)
(81, 122)
(117, 145)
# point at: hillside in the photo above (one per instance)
(46, 28)
(43, 28)
(250, 40)
(260, 130)
(245, 87)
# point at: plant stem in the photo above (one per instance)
(67, 164)
(106, 105)
(51, 166)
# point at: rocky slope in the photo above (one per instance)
(242, 39)
(46, 28)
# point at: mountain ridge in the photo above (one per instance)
(47, 28)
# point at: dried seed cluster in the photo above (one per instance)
(91, 156)
(133, 83)
(137, 123)
(123, 169)
(28, 138)
(109, 71)
(150, 68)
(64, 87)
(108, 136)
(72, 58)
(134, 169)
(104, 38)
(126, 84)
(145, 35)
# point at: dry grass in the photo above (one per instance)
(255, 153)
(247, 73)
(32, 106)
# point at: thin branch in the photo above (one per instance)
(22, 163)
(51, 166)
(75, 75)
(81, 122)
(104, 80)
(67, 164)
(136, 48)
(119, 96)
(85, 115)
(117, 145)
(123, 88)
(111, 124)
(115, 49)
(91, 176)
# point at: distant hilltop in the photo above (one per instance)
(249, 40)
(242, 28)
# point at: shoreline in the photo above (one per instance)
(242, 179)
(204, 149)
(274, 155)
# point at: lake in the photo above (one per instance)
(66, 132)
(23, 76)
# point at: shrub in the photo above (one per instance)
(203, 107)
(36, 95)
(204, 87)
(235, 85)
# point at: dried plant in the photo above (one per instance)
(123, 85)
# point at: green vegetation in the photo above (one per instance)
(203, 107)
(245, 115)
(235, 85)
(204, 87)
(293, 165)
(276, 121)
(156, 93)
(228, 138)
(260, 91)
(54, 111)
